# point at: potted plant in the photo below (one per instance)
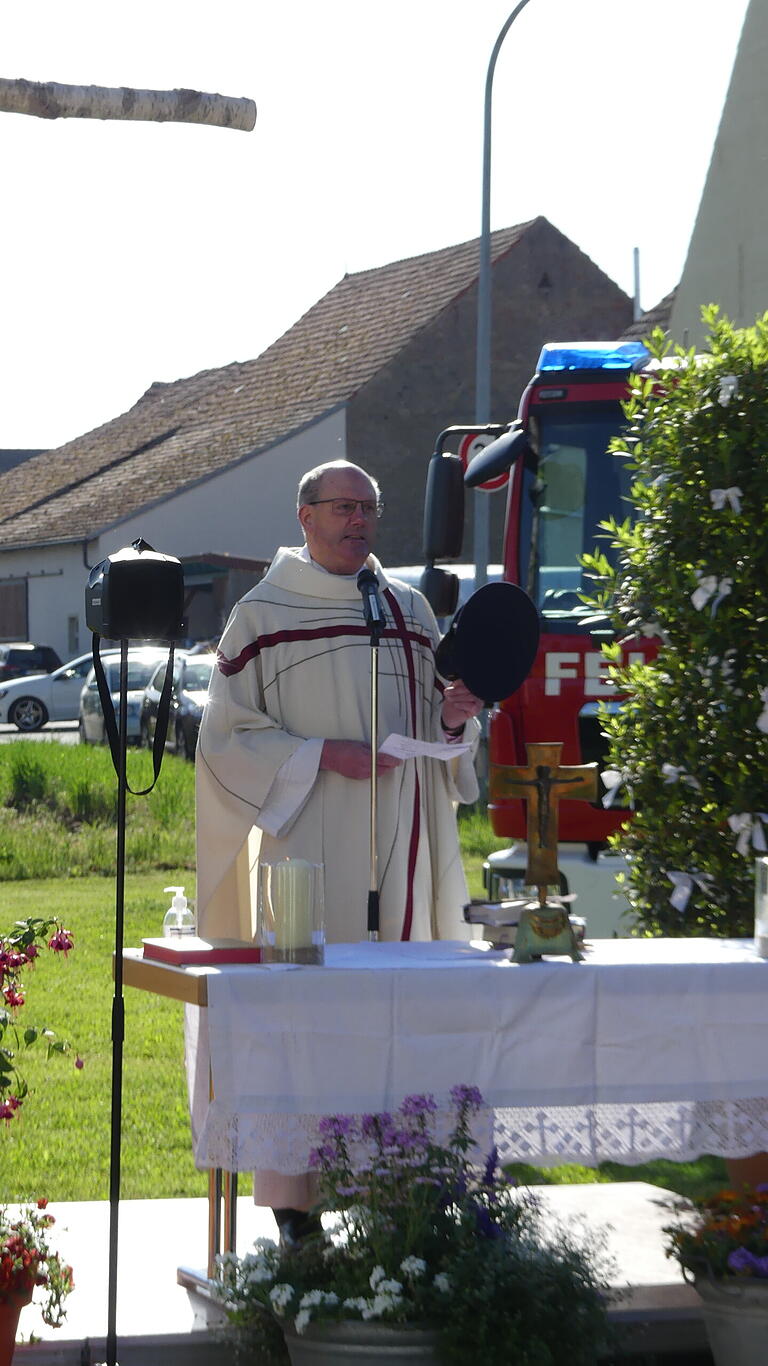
(431, 1258)
(721, 1243)
(26, 1263)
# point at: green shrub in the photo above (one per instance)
(691, 738)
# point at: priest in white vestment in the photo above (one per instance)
(284, 757)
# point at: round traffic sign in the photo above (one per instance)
(470, 447)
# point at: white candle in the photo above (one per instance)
(293, 903)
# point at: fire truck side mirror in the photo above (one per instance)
(444, 509)
(441, 589)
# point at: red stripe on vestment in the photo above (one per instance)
(413, 846)
(266, 642)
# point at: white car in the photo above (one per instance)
(465, 573)
(28, 703)
(142, 662)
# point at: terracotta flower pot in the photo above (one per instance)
(361, 1344)
(735, 1314)
(10, 1309)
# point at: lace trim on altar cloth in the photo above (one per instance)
(588, 1135)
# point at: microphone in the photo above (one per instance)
(368, 585)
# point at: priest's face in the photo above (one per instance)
(338, 538)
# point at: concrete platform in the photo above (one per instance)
(161, 1324)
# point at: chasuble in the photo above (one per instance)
(294, 669)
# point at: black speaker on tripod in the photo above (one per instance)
(135, 594)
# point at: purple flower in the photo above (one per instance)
(485, 1224)
(490, 1166)
(466, 1095)
(337, 1126)
(744, 1262)
(371, 1126)
(413, 1106)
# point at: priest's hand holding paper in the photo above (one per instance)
(459, 705)
(352, 759)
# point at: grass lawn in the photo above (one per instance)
(58, 1145)
(56, 813)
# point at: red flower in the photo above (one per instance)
(61, 942)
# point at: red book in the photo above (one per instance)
(187, 949)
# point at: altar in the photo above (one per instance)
(648, 1048)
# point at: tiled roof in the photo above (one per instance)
(185, 431)
(658, 316)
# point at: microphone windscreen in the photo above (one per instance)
(492, 641)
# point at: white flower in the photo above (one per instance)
(280, 1296)
(413, 1266)
(378, 1274)
(442, 1282)
(382, 1304)
(762, 720)
(301, 1320)
(357, 1302)
(393, 1288)
(259, 1275)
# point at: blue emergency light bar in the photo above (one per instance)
(592, 356)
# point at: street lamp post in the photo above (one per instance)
(483, 351)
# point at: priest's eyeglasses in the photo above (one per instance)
(345, 507)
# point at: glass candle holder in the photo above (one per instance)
(291, 911)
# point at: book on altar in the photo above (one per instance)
(187, 949)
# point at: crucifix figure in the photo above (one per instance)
(541, 784)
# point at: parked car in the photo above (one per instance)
(191, 677)
(411, 574)
(30, 702)
(21, 657)
(142, 662)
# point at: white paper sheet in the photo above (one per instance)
(403, 747)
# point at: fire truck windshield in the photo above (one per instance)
(568, 489)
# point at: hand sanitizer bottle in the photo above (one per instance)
(178, 918)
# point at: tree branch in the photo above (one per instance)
(47, 100)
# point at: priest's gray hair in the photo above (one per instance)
(309, 485)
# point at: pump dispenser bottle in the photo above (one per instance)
(178, 918)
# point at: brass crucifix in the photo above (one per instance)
(541, 784)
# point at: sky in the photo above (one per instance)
(136, 252)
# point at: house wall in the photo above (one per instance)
(55, 578)
(727, 261)
(248, 510)
(544, 289)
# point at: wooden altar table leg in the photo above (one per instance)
(214, 1219)
(230, 1211)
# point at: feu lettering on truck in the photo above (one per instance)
(565, 665)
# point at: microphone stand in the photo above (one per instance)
(374, 619)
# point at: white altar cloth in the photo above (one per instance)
(648, 1048)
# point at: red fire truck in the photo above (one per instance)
(562, 483)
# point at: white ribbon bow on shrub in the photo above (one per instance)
(708, 584)
(762, 720)
(732, 496)
(749, 828)
(684, 883)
